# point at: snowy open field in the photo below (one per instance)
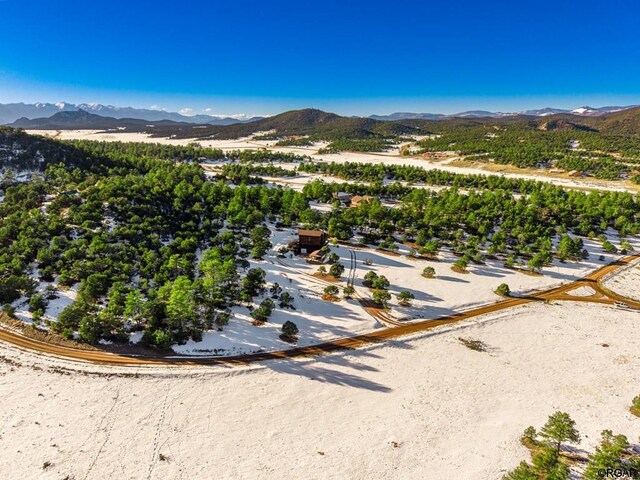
(451, 291)
(317, 319)
(320, 320)
(391, 157)
(626, 283)
(452, 412)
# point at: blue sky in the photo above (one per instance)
(347, 56)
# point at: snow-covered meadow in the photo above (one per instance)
(415, 408)
(318, 320)
(626, 282)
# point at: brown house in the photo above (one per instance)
(311, 240)
(357, 199)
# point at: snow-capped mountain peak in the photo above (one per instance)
(11, 112)
(581, 110)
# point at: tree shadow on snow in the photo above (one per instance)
(332, 369)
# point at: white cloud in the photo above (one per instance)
(156, 107)
(186, 111)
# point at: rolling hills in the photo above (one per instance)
(319, 125)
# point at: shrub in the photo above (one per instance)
(429, 272)
(529, 437)
(546, 463)
(289, 331)
(261, 314)
(369, 277)
(380, 282)
(9, 310)
(71, 316)
(475, 345)
(609, 247)
(503, 290)
(336, 270)
(67, 333)
(222, 318)
(331, 290)
(635, 406)
(161, 339)
(275, 290)
(626, 246)
(37, 302)
(405, 297)
(522, 472)
(89, 329)
(268, 305)
(286, 300)
(333, 258)
(348, 291)
(381, 297)
(461, 265)
(37, 315)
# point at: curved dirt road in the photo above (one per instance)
(601, 295)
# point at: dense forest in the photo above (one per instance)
(151, 244)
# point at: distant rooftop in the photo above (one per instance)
(310, 233)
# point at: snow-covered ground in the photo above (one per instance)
(63, 298)
(451, 411)
(450, 291)
(320, 320)
(414, 408)
(626, 283)
(317, 319)
(391, 157)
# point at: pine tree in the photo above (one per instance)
(560, 428)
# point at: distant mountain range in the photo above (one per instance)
(543, 112)
(330, 127)
(82, 120)
(10, 112)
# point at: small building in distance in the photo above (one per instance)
(311, 240)
(358, 199)
(316, 257)
(438, 155)
(343, 197)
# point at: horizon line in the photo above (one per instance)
(192, 112)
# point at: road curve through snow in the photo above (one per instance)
(602, 296)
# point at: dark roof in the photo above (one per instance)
(310, 233)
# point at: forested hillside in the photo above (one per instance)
(551, 144)
(315, 124)
(151, 244)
